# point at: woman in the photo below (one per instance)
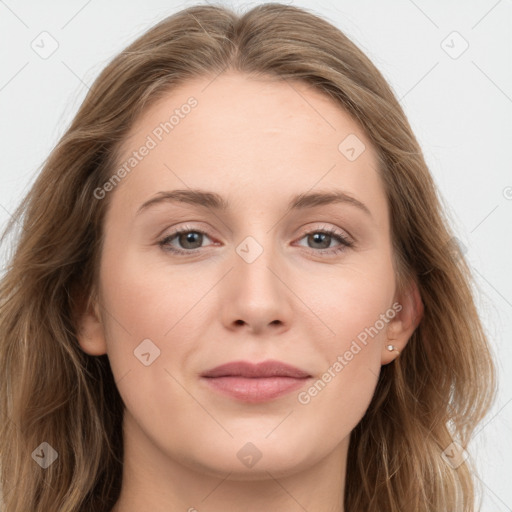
(235, 289)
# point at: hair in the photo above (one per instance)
(51, 391)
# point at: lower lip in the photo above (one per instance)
(255, 390)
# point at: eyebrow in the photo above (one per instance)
(215, 201)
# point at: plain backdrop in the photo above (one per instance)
(449, 63)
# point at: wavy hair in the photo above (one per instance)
(51, 391)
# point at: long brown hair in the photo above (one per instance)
(52, 392)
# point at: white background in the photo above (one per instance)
(460, 109)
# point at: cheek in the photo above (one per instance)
(352, 356)
(355, 312)
(354, 303)
(341, 391)
(146, 308)
(148, 299)
(148, 334)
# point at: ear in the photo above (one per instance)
(90, 332)
(409, 312)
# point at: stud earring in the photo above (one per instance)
(392, 348)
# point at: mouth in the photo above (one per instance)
(255, 383)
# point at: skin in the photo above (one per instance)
(257, 143)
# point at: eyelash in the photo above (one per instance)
(344, 241)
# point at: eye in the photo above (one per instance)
(321, 241)
(189, 239)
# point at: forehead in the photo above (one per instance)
(250, 134)
(234, 107)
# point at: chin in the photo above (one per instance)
(254, 457)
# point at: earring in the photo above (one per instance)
(392, 348)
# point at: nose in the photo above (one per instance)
(255, 296)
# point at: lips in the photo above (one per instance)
(249, 382)
(254, 371)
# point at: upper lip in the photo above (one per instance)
(251, 370)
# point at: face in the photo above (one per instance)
(269, 265)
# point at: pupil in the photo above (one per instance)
(321, 237)
(191, 237)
